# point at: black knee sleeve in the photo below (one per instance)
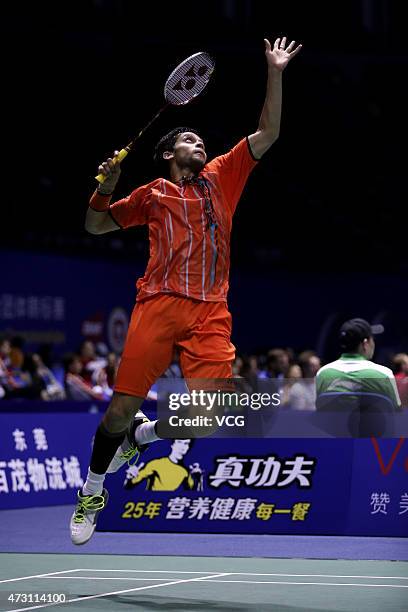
(105, 446)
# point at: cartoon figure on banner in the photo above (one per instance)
(167, 473)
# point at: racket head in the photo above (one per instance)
(189, 78)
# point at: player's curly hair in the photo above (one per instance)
(167, 142)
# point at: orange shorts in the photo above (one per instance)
(199, 330)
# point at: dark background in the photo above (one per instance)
(83, 77)
(320, 234)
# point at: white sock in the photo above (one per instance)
(145, 433)
(93, 484)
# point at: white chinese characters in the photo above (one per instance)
(34, 474)
(258, 472)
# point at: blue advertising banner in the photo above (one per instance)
(233, 486)
(286, 486)
(379, 488)
(43, 457)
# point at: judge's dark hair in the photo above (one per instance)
(167, 142)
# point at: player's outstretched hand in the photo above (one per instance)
(280, 55)
(111, 170)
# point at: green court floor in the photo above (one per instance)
(197, 584)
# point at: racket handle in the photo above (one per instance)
(101, 178)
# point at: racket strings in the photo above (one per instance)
(189, 79)
(184, 84)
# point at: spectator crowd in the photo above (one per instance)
(89, 373)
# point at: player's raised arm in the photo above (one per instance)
(98, 220)
(277, 59)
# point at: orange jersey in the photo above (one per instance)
(189, 227)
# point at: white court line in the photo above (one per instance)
(230, 574)
(143, 588)
(100, 578)
(92, 569)
(246, 574)
(319, 576)
(38, 576)
(353, 584)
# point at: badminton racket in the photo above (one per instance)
(184, 84)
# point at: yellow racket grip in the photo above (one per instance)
(101, 178)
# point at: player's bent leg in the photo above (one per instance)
(111, 433)
(121, 412)
(109, 436)
(147, 353)
(130, 448)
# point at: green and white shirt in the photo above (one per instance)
(355, 375)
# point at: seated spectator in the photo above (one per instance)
(34, 385)
(253, 367)
(90, 360)
(302, 394)
(104, 377)
(4, 378)
(294, 374)
(15, 374)
(277, 364)
(25, 376)
(237, 366)
(100, 384)
(17, 352)
(246, 366)
(272, 380)
(244, 374)
(400, 369)
(51, 388)
(111, 368)
(5, 349)
(77, 388)
(16, 382)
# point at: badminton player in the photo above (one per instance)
(181, 299)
